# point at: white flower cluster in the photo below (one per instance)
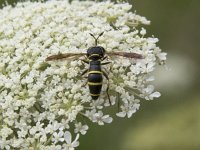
(45, 105)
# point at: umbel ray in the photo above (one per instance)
(94, 57)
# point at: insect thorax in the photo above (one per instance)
(95, 53)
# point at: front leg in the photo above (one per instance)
(85, 60)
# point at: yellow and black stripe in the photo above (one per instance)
(93, 55)
(95, 80)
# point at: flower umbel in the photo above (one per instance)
(41, 102)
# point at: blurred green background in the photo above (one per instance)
(171, 122)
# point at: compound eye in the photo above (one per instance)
(101, 48)
(89, 51)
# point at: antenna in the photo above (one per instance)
(96, 39)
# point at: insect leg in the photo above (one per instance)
(104, 58)
(104, 73)
(106, 63)
(85, 61)
(84, 72)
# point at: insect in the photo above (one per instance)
(94, 57)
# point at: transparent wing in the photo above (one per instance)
(125, 54)
(62, 56)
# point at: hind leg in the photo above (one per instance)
(105, 75)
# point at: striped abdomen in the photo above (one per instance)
(95, 80)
